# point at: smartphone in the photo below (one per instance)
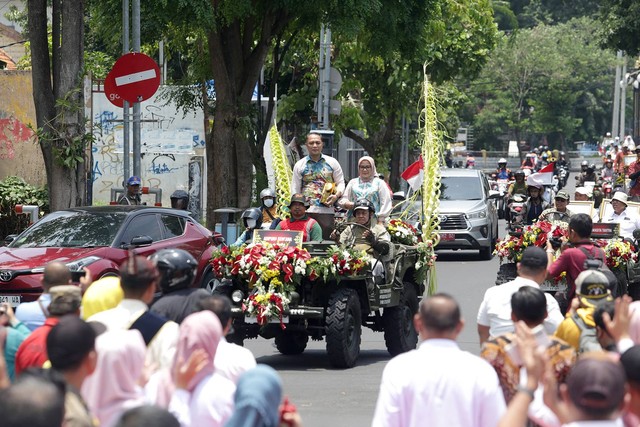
(76, 275)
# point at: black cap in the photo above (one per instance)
(534, 258)
(69, 342)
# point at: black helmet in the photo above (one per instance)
(591, 167)
(177, 268)
(519, 172)
(179, 199)
(364, 204)
(254, 214)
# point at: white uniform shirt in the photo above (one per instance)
(210, 404)
(628, 222)
(233, 360)
(438, 385)
(161, 349)
(495, 309)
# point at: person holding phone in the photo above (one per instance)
(528, 305)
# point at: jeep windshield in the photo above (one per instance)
(72, 229)
(461, 188)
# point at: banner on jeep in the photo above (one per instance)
(602, 230)
(278, 237)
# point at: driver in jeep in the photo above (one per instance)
(369, 236)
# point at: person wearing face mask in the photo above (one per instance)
(252, 220)
(269, 209)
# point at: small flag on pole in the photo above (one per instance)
(414, 174)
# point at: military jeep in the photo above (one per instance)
(338, 310)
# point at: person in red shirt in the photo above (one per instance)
(634, 174)
(619, 161)
(572, 257)
(300, 221)
(32, 352)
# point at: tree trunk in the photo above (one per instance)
(61, 126)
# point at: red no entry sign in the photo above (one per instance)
(135, 77)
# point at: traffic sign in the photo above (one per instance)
(110, 91)
(136, 77)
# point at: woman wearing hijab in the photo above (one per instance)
(113, 387)
(103, 294)
(201, 395)
(257, 401)
(368, 186)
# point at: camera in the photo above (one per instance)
(556, 242)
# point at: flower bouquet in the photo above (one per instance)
(537, 234)
(402, 232)
(426, 259)
(618, 253)
(346, 261)
(265, 305)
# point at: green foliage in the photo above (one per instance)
(14, 191)
(620, 25)
(546, 82)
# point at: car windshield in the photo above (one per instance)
(72, 229)
(461, 188)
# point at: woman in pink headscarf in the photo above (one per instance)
(201, 395)
(113, 387)
(368, 186)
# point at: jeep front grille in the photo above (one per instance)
(452, 222)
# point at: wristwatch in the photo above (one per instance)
(528, 391)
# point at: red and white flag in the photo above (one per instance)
(414, 174)
(543, 177)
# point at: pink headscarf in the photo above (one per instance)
(113, 387)
(201, 330)
(374, 172)
(634, 322)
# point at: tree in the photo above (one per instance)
(58, 96)
(619, 25)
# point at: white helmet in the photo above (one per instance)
(502, 160)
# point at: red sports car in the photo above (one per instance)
(99, 238)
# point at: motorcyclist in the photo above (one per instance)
(367, 235)
(562, 160)
(180, 200)
(619, 162)
(177, 269)
(542, 162)
(471, 162)
(535, 205)
(252, 220)
(519, 186)
(589, 175)
(269, 208)
(529, 161)
(607, 170)
(502, 172)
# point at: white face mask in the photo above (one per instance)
(250, 223)
(268, 202)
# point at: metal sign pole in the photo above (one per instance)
(136, 105)
(125, 109)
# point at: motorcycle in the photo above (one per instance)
(501, 185)
(515, 220)
(607, 187)
(563, 176)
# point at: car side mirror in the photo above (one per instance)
(139, 241)
(10, 238)
(494, 195)
(218, 240)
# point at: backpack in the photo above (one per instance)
(588, 340)
(611, 278)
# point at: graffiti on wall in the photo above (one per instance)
(12, 133)
(170, 146)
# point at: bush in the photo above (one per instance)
(14, 191)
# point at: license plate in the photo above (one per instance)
(285, 319)
(447, 236)
(14, 300)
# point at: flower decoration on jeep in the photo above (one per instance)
(537, 234)
(266, 305)
(426, 259)
(618, 253)
(346, 261)
(402, 232)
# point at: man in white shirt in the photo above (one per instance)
(494, 315)
(628, 220)
(139, 278)
(231, 360)
(438, 385)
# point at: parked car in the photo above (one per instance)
(468, 215)
(99, 238)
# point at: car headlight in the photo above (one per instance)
(79, 264)
(477, 214)
(237, 296)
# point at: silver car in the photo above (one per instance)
(468, 216)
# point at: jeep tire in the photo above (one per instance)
(291, 343)
(399, 332)
(343, 328)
